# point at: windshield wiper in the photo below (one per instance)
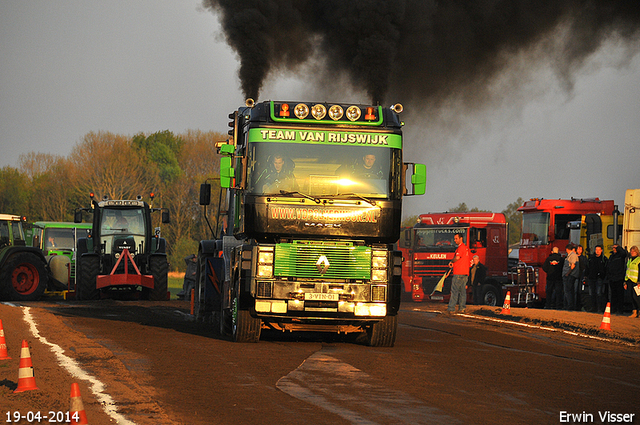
(369, 201)
(295, 192)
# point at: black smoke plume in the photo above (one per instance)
(418, 51)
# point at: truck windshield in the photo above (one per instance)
(438, 239)
(535, 228)
(317, 170)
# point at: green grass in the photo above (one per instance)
(175, 286)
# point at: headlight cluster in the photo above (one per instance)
(379, 266)
(320, 111)
(265, 262)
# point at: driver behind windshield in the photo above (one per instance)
(363, 168)
(278, 175)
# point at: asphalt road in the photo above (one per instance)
(160, 367)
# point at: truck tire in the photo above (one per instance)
(244, 327)
(24, 277)
(203, 311)
(490, 295)
(88, 268)
(383, 333)
(159, 269)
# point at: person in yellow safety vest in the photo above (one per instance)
(631, 282)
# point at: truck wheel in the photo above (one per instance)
(489, 295)
(383, 333)
(24, 277)
(87, 271)
(244, 327)
(226, 321)
(201, 311)
(159, 268)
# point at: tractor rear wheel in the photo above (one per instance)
(88, 268)
(24, 277)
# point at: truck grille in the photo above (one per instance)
(300, 259)
(430, 267)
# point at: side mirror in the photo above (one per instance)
(166, 218)
(418, 179)
(407, 239)
(77, 216)
(205, 194)
(226, 172)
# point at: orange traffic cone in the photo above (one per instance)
(26, 381)
(76, 411)
(4, 354)
(606, 319)
(506, 307)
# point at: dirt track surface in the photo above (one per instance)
(80, 332)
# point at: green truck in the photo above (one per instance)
(24, 274)
(58, 241)
(312, 210)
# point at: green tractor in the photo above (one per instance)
(58, 241)
(123, 257)
(24, 275)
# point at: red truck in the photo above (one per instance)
(428, 247)
(547, 223)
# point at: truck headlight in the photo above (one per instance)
(379, 265)
(379, 261)
(379, 275)
(265, 257)
(265, 262)
(265, 271)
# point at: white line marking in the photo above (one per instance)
(544, 328)
(97, 387)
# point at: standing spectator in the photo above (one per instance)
(460, 264)
(189, 282)
(596, 275)
(616, 268)
(570, 272)
(553, 268)
(477, 274)
(581, 301)
(631, 282)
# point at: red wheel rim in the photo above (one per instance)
(25, 278)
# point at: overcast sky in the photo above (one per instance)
(71, 67)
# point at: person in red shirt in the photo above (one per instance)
(460, 264)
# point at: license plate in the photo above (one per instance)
(437, 298)
(312, 296)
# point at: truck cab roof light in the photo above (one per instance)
(370, 116)
(336, 112)
(353, 113)
(301, 111)
(318, 111)
(284, 110)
